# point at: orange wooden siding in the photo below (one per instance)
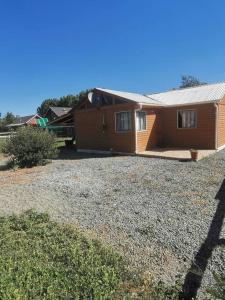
(90, 132)
(152, 136)
(203, 136)
(161, 128)
(221, 123)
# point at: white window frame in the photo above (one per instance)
(194, 110)
(119, 112)
(145, 113)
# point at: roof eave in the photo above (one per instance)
(193, 103)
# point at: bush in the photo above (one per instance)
(40, 259)
(43, 260)
(218, 290)
(30, 147)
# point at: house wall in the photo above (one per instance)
(91, 135)
(221, 124)
(152, 136)
(161, 128)
(201, 137)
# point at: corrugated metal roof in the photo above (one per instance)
(204, 93)
(131, 96)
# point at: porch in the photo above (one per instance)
(175, 153)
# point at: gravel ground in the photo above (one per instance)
(156, 212)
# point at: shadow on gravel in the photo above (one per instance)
(196, 272)
(72, 154)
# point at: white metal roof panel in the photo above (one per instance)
(131, 96)
(204, 93)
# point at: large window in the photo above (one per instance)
(186, 118)
(141, 120)
(123, 121)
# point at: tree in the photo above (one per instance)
(190, 81)
(9, 118)
(64, 101)
(6, 120)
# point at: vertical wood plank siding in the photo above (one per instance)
(221, 123)
(152, 136)
(203, 136)
(161, 128)
(90, 132)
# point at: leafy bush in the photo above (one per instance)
(161, 291)
(30, 147)
(218, 290)
(40, 259)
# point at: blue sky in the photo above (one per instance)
(50, 48)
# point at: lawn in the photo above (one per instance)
(41, 259)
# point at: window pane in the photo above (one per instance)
(141, 120)
(179, 119)
(186, 119)
(123, 121)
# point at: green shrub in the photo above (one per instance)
(161, 291)
(40, 259)
(30, 147)
(218, 290)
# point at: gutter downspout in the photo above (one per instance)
(216, 125)
(139, 107)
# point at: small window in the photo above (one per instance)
(186, 118)
(141, 120)
(123, 121)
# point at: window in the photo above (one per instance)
(141, 120)
(186, 118)
(123, 121)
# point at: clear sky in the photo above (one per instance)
(50, 48)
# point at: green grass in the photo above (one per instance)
(40, 259)
(2, 141)
(60, 142)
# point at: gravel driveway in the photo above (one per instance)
(156, 212)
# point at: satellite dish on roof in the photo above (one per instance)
(90, 96)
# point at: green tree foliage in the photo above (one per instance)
(30, 147)
(9, 118)
(6, 120)
(65, 101)
(190, 81)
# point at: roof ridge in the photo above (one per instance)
(103, 89)
(188, 88)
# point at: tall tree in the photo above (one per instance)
(190, 81)
(7, 119)
(64, 101)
